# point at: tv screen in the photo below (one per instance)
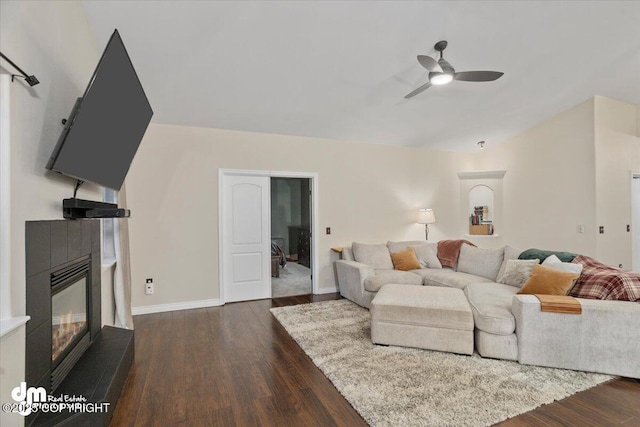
(107, 124)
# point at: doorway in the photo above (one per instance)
(635, 222)
(291, 202)
(246, 263)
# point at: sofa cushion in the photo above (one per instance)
(384, 277)
(405, 259)
(491, 307)
(398, 246)
(447, 277)
(518, 272)
(481, 262)
(509, 253)
(347, 254)
(449, 250)
(548, 281)
(377, 256)
(425, 251)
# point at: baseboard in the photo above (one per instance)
(160, 308)
(327, 291)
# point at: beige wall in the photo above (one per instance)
(51, 40)
(573, 169)
(549, 186)
(368, 193)
(617, 155)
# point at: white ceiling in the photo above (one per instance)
(340, 69)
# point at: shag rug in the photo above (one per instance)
(395, 386)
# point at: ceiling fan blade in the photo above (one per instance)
(429, 63)
(478, 76)
(422, 88)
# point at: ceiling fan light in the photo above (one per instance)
(438, 79)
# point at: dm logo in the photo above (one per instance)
(27, 397)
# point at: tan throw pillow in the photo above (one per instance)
(405, 260)
(548, 281)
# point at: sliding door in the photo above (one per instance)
(246, 239)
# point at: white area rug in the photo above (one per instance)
(295, 279)
(394, 386)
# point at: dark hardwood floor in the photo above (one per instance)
(236, 365)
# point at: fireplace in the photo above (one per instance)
(68, 352)
(70, 290)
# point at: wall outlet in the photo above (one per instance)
(148, 287)
(328, 230)
(580, 228)
(601, 229)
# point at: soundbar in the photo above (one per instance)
(78, 209)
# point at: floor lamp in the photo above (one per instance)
(426, 217)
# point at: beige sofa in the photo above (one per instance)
(605, 338)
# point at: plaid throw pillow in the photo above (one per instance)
(600, 281)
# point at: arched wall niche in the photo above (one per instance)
(482, 188)
(481, 195)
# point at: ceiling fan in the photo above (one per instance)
(441, 72)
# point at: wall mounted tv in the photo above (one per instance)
(106, 125)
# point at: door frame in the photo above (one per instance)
(633, 175)
(313, 176)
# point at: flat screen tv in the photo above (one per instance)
(107, 124)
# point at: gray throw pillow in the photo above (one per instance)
(518, 271)
(376, 256)
(427, 256)
(554, 262)
(481, 262)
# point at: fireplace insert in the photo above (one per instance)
(70, 289)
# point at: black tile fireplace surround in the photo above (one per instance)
(59, 255)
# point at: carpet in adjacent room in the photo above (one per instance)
(295, 279)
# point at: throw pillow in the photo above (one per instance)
(399, 246)
(518, 272)
(480, 262)
(548, 281)
(376, 256)
(509, 253)
(405, 260)
(427, 256)
(554, 262)
(542, 254)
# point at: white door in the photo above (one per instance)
(246, 238)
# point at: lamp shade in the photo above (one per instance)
(426, 216)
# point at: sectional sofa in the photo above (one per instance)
(604, 338)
